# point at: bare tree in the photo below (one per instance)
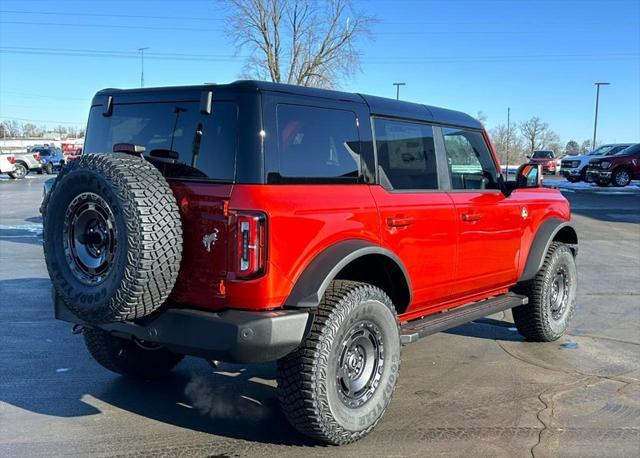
(11, 128)
(305, 42)
(507, 139)
(533, 131)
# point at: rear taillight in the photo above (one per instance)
(11, 159)
(37, 157)
(250, 253)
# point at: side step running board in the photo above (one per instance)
(440, 321)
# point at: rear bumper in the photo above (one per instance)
(234, 336)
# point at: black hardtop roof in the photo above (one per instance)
(380, 106)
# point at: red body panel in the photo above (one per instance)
(450, 260)
(420, 227)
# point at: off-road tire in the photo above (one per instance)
(308, 385)
(536, 320)
(617, 176)
(128, 357)
(21, 171)
(147, 242)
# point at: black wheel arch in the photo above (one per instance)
(551, 230)
(357, 260)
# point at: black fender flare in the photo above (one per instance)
(550, 230)
(314, 280)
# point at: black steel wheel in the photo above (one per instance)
(112, 237)
(552, 297)
(90, 238)
(337, 385)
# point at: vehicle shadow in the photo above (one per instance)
(47, 370)
(232, 401)
(488, 328)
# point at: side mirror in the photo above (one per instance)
(528, 176)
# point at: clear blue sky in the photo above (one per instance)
(540, 58)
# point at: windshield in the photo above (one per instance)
(629, 150)
(600, 151)
(616, 150)
(543, 154)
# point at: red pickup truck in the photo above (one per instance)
(618, 169)
(255, 222)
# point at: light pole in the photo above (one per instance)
(397, 85)
(141, 50)
(595, 122)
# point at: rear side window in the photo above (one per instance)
(205, 144)
(406, 155)
(317, 145)
(470, 162)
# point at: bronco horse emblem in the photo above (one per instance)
(210, 239)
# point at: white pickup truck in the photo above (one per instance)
(24, 163)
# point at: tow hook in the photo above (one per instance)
(77, 329)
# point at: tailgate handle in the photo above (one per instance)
(400, 221)
(471, 217)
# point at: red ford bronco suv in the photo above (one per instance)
(254, 222)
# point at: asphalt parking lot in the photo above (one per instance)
(477, 390)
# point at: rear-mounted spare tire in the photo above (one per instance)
(112, 237)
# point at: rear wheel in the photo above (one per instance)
(621, 177)
(338, 384)
(20, 171)
(133, 358)
(552, 297)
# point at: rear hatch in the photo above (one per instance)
(195, 151)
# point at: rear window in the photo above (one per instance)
(543, 154)
(317, 145)
(205, 144)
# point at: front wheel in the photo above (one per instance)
(621, 178)
(337, 385)
(131, 358)
(48, 168)
(552, 297)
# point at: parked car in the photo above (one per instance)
(618, 169)
(574, 168)
(7, 164)
(318, 229)
(547, 159)
(24, 163)
(51, 158)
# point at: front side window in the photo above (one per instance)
(177, 138)
(406, 155)
(471, 165)
(317, 144)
